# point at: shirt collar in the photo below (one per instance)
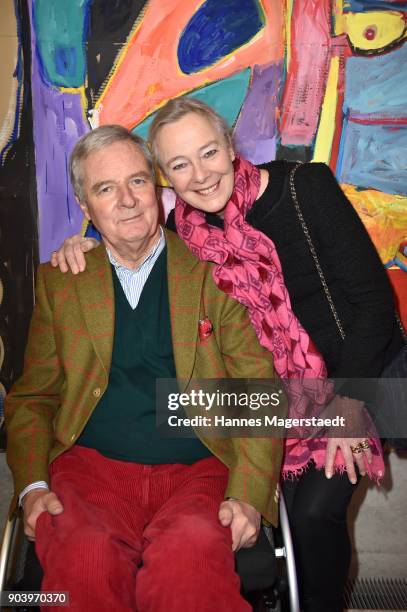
(160, 244)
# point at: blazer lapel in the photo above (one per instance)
(185, 278)
(96, 296)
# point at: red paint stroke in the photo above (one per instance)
(370, 120)
(336, 141)
(307, 72)
(399, 282)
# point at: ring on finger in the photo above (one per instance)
(357, 448)
(364, 445)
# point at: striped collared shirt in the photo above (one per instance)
(133, 280)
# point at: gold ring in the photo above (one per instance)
(364, 445)
(357, 449)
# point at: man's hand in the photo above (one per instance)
(70, 256)
(35, 502)
(243, 520)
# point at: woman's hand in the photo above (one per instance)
(70, 256)
(360, 456)
(354, 448)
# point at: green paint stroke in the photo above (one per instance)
(61, 27)
(225, 97)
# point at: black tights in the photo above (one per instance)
(317, 511)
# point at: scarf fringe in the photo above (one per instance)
(291, 474)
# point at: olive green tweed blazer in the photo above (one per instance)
(68, 358)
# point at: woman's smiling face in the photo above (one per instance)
(197, 160)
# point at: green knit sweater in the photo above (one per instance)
(123, 424)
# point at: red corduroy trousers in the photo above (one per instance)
(138, 537)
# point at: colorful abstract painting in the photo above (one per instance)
(314, 80)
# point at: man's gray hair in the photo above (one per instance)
(177, 108)
(95, 140)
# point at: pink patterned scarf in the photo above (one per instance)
(249, 270)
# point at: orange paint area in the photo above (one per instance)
(385, 218)
(147, 73)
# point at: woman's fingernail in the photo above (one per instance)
(328, 474)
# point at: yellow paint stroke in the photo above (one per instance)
(288, 17)
(389, 26)
(81, 91)
(326, 128)
(75, 90)
(385, 217)
(339, 18)
(84, 227)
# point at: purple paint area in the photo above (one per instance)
(255, 132)
(58, 123)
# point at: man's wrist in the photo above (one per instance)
(40, 484)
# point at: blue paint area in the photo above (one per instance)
(61, 29)
(374, 156)
(396, 262)
(375, 84)
(65, 60)
(225, 96)
(362, 6)
(92, 232)
(215, 30)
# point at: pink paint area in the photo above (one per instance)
(307, 72)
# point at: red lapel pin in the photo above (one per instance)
(205, 328)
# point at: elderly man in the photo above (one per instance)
(124, 519)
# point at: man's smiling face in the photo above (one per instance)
(119, 195)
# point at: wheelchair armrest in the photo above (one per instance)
(9, 535)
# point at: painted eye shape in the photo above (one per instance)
(370, 32)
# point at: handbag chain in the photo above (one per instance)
(314, 253)
(401, 326)
(318, 265)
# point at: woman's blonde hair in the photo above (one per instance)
(179, 107)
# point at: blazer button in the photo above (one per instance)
(73, 437)
(96, 392)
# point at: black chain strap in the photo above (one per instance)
(401, 326)
(314, 253)
(318, 265)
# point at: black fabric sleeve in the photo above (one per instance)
(170, 222)
(348, 251)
